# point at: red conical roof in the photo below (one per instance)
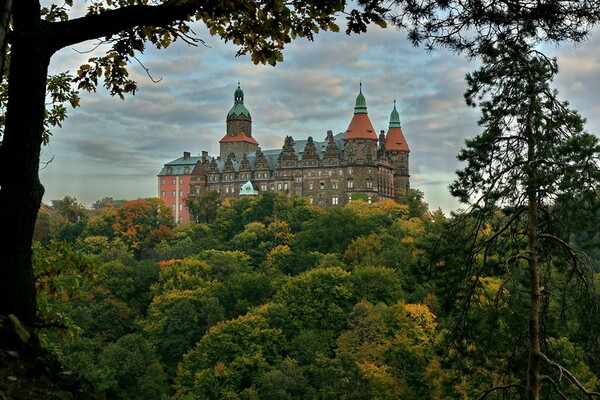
(360, 128)
(395, 140)
(239, 138)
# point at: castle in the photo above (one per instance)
(328, 173)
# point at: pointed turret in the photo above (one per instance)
(360, 127)
(395, 137)
(397, 150)
(238, 138)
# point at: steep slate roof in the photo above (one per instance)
(394, 139)
(178, 166)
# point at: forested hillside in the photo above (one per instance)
(272, 298)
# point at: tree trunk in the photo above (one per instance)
(20, 188)
(5, 12)
(534, 381)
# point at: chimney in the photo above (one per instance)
(186, 155)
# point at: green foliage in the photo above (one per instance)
(229, 358)
(414, 200)
(62, 273)
(203, 208)
(133, 370)
(106, 202)
(318, 299)
(334, 229)
(361, 319)
(176, 320)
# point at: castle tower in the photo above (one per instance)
(397, 150)
(360, 139)
(238, 139)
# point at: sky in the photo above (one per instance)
(115, 148)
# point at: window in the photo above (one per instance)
(334, 185)
(180, 219)
(349, 171)
(350, 184)
(180, 206)
(285, 186)
(163, 194)
(263, 187)
(369, 184)
(311, 186)
(311, 200)
(169, 171)
(174, 193)
(309, 173)
(173, 181)
(279, 187)
(181, 193)
(319, 173)
(340, 172)
(330, 172)
(322, 185)
(174, 207)
(334, 200)
(162, 182)
(226, 189)
(186, 170)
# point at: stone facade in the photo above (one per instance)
(328, 172)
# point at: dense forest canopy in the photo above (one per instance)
(273, 300)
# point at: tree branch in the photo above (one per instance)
(554, 385)
(503, 387)
(108, 23)
(569, 375)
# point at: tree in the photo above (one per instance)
(470, 27)
(230, 357)
(532, 152)
(107, 202)
(134, 370)
(260, 29)
(204, 207)
(143, 223)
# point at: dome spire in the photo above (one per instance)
(360, 107)
(238, 103)
(395, 117)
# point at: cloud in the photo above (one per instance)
(106, 147)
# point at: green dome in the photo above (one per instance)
(361, 103)
(238, 104)
(395, 118)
